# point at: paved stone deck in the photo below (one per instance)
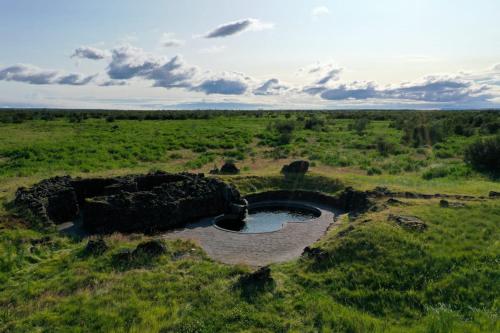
(257, 249)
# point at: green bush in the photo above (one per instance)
(484, 155)
(385, 148)
(373, 171)
(441, 172)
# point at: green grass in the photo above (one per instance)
(379, 278)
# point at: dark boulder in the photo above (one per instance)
(260, 277)
(229, 168)
(95, 247)
(151, 248)
(409, 222)
(296, 167)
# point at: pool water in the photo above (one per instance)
(267, 219)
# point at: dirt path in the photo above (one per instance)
(257, 249)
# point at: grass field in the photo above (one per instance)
(381, 278)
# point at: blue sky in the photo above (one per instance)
(250, 54)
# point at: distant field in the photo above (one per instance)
(384, 278)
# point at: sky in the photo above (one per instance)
(259, 54)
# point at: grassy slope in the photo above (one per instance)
(382, 277)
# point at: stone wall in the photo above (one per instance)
(135, 203)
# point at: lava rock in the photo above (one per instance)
(348, 230)
(258, 278)
(229, 168)
(380, 191)
(41, 241)
(315, 253)
(447, 204)
(135, 203)
(409, 222)
(152, 248)
(296, 167)
(170, 205)
(354, 201)
(95, 247)
(396, 202)
(124, 256)
(51, 201)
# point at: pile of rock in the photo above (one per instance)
(136, 203)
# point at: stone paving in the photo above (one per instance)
(257, 249)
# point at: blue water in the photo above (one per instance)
(272, 219)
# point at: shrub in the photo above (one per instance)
(385, 148)
(284, 126)
(359, 125)
(441, 172)
(314, 123)
(374, 171)
(484, 155)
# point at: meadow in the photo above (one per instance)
(381, 277)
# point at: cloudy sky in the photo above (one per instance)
(165, 54)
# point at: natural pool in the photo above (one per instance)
(268, 218)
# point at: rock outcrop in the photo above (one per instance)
(409, 222)
(136, 203)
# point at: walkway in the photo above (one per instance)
(256, 249)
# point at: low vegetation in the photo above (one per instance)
(373, 276)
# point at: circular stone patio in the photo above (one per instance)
(257, 249)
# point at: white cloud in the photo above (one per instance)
(168, 40)
(130, 62)
(89, 52)
(213, 49)
(320, 11)
(270, 87)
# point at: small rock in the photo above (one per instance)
(124, 255)
(344, 232)
(229, 168)
(412, 195)
(315, 253)
(409, 222)
(381, 191)
(41, 241)
(396, 202)
(378, 208)
(96, 247)
(153, 248)
(444, 203)
(447, 204)
(494, 194)
(297, 167)
(214, 171)
(260, 277)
